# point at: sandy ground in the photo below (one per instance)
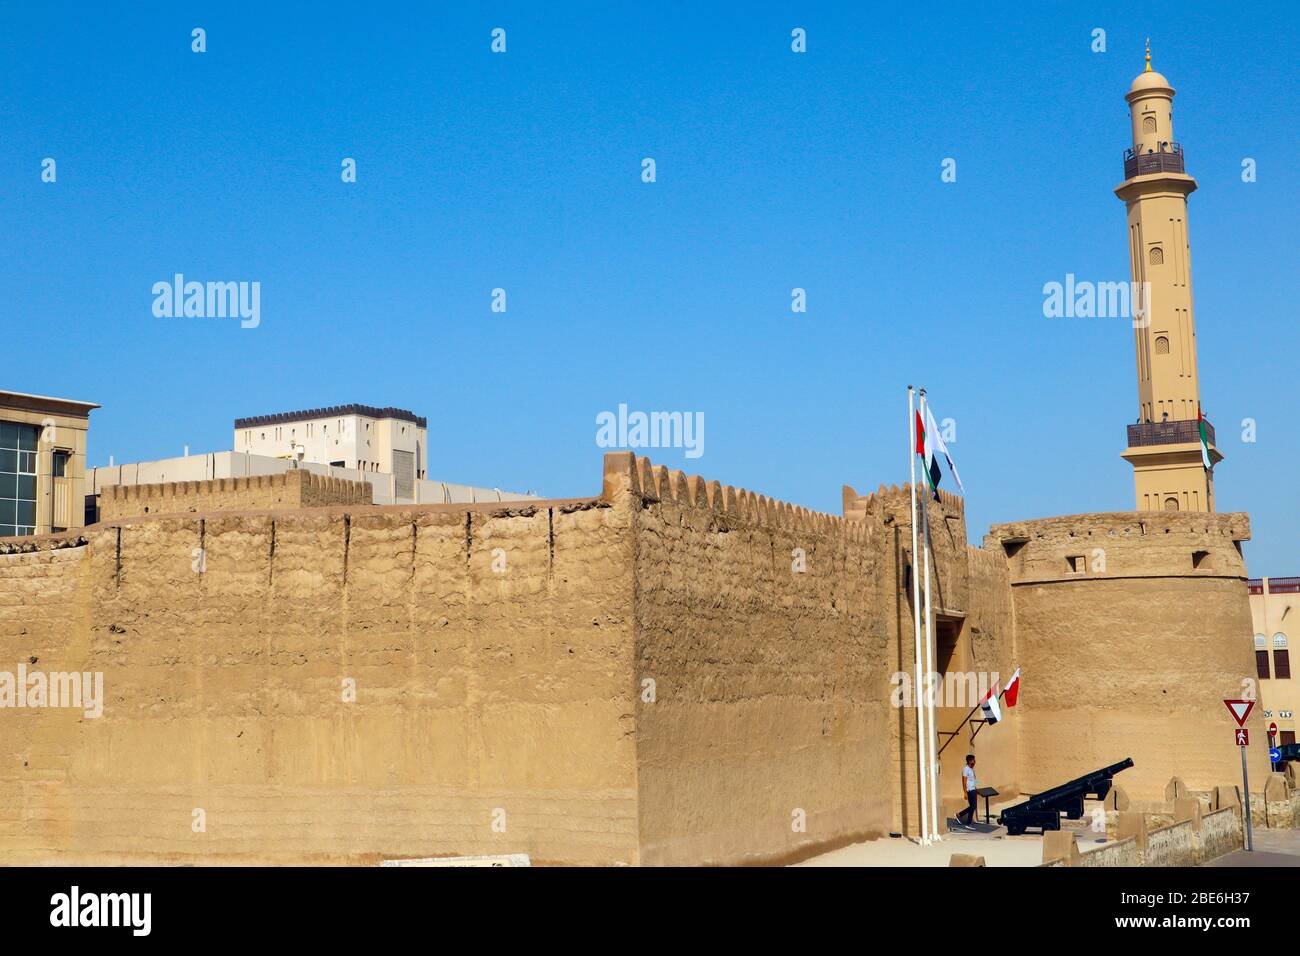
(997, 848)
(1272, 848)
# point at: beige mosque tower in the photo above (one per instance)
(1164, 446)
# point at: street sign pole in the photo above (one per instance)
(1240, 710)
(1245, 785)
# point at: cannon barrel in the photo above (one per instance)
(1081, 786)
(1044, 809)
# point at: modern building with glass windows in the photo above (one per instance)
(42, 463)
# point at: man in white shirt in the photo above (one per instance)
(967, 816)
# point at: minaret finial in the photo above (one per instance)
(1148, 69)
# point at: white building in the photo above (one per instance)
(360, 437)
(387, 447)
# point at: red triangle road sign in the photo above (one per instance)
(1240, 710)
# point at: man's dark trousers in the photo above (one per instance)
(967, 816)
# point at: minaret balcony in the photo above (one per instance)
(1167, 433)
(1167, 159)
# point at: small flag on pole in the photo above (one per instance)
(932, 430)
(1013, 689)
(929, 465)
(1201, 424)
(928, 441)
(992, 713)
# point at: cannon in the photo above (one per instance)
(1043, 810)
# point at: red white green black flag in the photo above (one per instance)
(1201, 423)
(924, 448)
(928, 441)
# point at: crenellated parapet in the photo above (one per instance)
(1122, 544)
(297, 488)
(626, 473)
(893, 502)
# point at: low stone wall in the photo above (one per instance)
(1122, 853)
(1179, 844)
(1221, 833)
(1174, 845)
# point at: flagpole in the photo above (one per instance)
(929, 656)
(917, 701)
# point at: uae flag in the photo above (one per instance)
(934, 438)
(924, 448)
(1201, 426)
(1013, 689)
(992, 713)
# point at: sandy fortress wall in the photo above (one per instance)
(674, 671)
(973, 634)
(759, 627)
(339, 685)
(297, 488)
(1134, 627)
(498, 659)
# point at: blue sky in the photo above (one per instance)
(775, 171)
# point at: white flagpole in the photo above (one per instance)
(917, 700)
(929, 655)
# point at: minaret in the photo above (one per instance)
(1164, 446)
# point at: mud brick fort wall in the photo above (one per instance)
(973, 633)
(765, 738)
(639, 676)
(1135, 626)
(477, 693)
(291, 489)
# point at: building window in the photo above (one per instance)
(17, 478)
(1162, 345)
(1261, 642)
(1261, 665)
(1076, 563)
(1282, 664)
(1198, 558)
(59, 466)
(1171, 504)
(1279, 640)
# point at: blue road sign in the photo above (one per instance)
(1274, 754)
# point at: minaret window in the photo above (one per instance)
(1157, 256)
(1162, 345)
(1171, 504)
(1148, 124)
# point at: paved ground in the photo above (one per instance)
(997, 848)
(1272, 848)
